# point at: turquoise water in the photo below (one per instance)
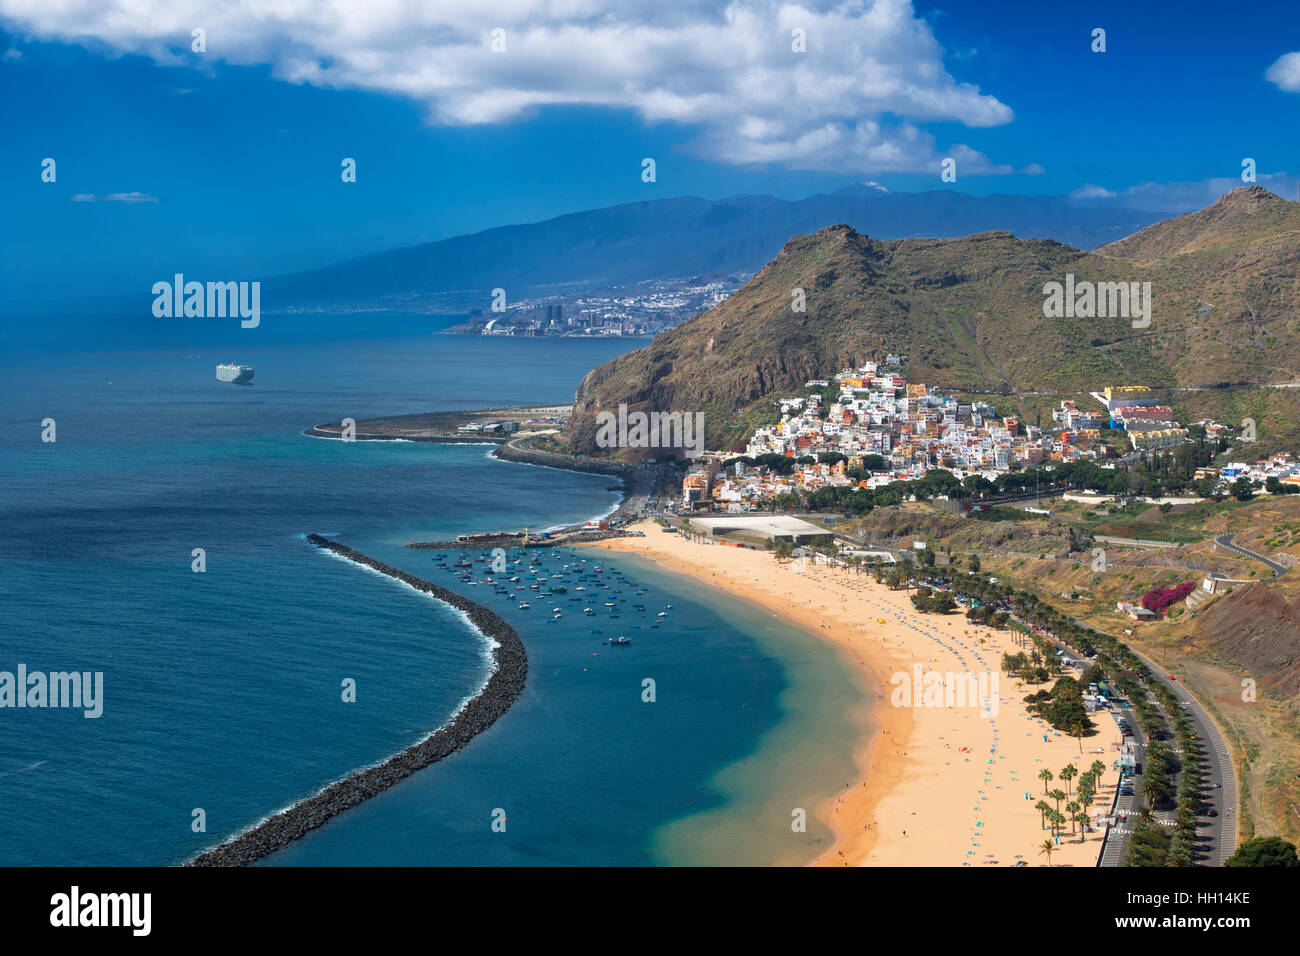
(222, 688)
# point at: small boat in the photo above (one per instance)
(620, 640)
(523, 606)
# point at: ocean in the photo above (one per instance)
(223, 689)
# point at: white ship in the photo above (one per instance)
(235, 374)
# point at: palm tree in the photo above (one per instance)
(1058, 796)
(1150, 790)
(1073, 809)
(1043, 809)
(1046, 776)
(1098, 768)
(1047, 848)
(1084, 822)
(1068, 773)
(1077, 730)
(1058, 821)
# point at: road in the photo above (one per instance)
(1127, 807)
(1224, 541)
(1136, 542)
(1220, 831)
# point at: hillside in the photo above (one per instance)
(1236, 222)
(968, 315)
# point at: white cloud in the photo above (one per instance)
(1090, 191)
(131, 197)
(1286, 72)
(852, 102)
(1185, 196)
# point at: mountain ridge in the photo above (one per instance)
(968, 313)
(669, 239)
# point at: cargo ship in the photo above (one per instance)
(235, 374)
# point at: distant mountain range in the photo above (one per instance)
(968, 314)
(669, 239)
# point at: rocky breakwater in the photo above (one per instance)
(506, 683)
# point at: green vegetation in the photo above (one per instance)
(934, 602)
(1062, 706)
(1265, 851)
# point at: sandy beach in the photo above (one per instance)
(937, 785)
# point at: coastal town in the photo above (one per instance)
(869, 427)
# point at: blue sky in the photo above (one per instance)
(227, 161)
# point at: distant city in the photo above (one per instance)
(644, 309)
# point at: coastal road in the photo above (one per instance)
(1224, 541)
(1220, 832)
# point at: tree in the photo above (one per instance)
(1047, 777)
(1047, 848)
(1058, 795)
(1151, 790)
(1073, 809)
(1068, 773)
(1265, 851)
(1058, 821)
(1043, 809)
(974, 562)
(1242, 489)
(1078, 730)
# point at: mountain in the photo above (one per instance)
(1246, 216)
(671, 238)
(968, 314)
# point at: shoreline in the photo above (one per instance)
(935, 785)
(505, 683)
